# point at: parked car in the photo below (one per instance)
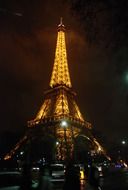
(10, 180)
(57, 172)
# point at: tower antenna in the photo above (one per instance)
(61, 20)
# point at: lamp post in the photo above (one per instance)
(64, 125)
(123, 142)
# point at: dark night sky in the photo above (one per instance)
(97, 44)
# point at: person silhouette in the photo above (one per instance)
(44, 180)
(93, 176)
(26, 183)
(72, 178)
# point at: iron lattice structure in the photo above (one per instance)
(59, 114)
(59, 105)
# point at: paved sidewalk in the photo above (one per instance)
(87, 186)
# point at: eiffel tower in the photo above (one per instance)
(59, 115)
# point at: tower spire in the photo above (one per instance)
(60, 73)
(61, 20)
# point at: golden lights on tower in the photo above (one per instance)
(60, 74)
(59, 113)
(78, 115)
(61, 106)
(60, 99)
(43, 110)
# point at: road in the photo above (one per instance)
(114, 179)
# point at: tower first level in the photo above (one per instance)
(60, 117)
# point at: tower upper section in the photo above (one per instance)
(60, 73)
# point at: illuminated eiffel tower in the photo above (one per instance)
(59, 114)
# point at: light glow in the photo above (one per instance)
(123, 142)
(43, 110)
(77, 113)
(60, 73)
(61, 106)
(64, 124)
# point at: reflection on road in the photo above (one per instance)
(112, 179)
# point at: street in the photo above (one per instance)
(113, 179)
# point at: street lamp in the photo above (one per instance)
(57, 143)
(123, 142)
(64, 124)
(66, 150)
